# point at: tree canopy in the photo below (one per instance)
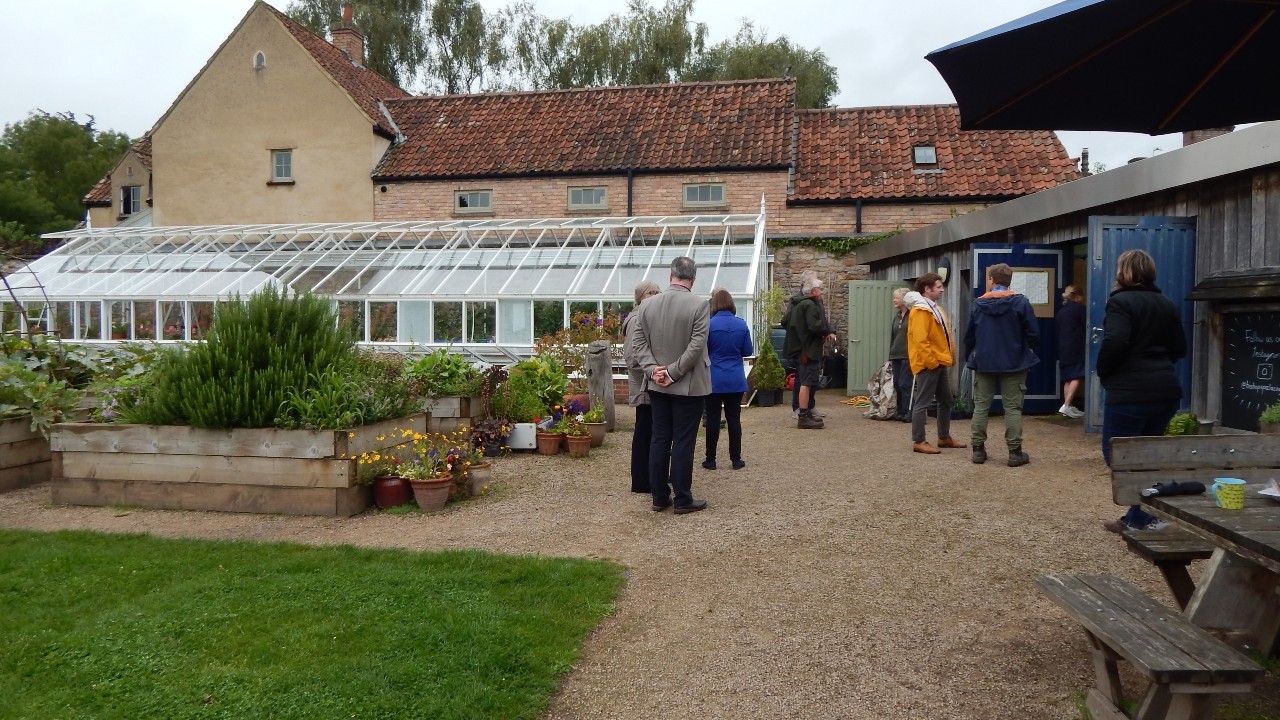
(456, 46)
(47, 165)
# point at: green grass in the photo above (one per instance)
(132, 626)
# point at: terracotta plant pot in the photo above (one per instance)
(478, 478)
(597, 433)
(548, 443)
(391, 491)
(579, 445)
(434, 493)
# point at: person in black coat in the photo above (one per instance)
(1070, 324)
(1142, 337)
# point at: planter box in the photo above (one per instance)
(452, 413)
(24, 455)
(265, 470)
(523, 436)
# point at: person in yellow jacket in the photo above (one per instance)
(931, 349)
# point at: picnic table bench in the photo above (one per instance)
(1186, 665)
(1138, 463)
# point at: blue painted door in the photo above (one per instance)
(1037, 273)
(1171, 242)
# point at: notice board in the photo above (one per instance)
(1250, 360)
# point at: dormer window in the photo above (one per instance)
(924, 155)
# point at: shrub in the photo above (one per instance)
(442, 373)
(767, 374)
(518, 398)
(1271, 414)
(258, 351)
(1183, 424)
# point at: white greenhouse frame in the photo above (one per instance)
(472, 285)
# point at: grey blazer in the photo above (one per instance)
(671, 329)
(636, 394)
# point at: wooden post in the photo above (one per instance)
(600, 378)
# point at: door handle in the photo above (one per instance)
(1095, 336)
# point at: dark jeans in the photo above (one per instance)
(675, 431)
(640, 439)
(902, 384)
(732, 404)
(1135, 420)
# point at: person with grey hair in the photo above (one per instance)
(637, 397)
(671, 332)
(814, 412)
(807, 333)
(898, 359)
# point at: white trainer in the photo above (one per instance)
(1071, 412)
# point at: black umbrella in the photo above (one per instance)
(1149, 66)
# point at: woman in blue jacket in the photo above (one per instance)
(729, 342)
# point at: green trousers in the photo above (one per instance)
(1013, 387)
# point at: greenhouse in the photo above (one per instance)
(486, 287)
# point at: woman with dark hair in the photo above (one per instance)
(728, 343)
(1141, 339)
(1070, 326)
(637, 397)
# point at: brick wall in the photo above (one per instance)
(548, 197)
(876, 218)
(789, 262)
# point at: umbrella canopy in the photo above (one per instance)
(1149, 66)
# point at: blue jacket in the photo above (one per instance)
(1002, 335)
(728, 344)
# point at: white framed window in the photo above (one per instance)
(281, 166)
(588, 198)
(704, 195)
(473, 201)
(924, 155)
(130, 199)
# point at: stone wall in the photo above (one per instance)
(789, 262)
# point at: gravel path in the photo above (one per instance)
(838, 575)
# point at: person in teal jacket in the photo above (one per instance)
(728, 344)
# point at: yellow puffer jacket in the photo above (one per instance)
(928, 345)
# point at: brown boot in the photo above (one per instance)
(950, 443)
(807, 421)
(926, 448)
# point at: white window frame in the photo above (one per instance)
(603, 204)
(713, 188)
(924, 154)
(458, 198)
(130, 200)
(276, 165)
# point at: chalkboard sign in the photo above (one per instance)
(1250, 365)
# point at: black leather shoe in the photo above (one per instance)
(709, 464)
(657, 507)
(692, 507)
(738, 464)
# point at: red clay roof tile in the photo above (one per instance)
(866, 153)
(710, 125)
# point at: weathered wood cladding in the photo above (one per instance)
(241, 470)
(24, 455)
(1237, 227)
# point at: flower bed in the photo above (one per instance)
(265, 470)
(24, 454)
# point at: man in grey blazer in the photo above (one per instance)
(671, 347)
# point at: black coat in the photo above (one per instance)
(1070, 324)
(1142, 337)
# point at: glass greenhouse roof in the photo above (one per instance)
(492, 273)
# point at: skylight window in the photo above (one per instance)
(924, 155)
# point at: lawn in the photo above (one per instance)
(133, 626)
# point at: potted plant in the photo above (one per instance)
(119, 331)
(575, 434)
(381, 470)
(477, 470)
(593, 418)
(1269, 420)
(767, 376)
(518, 400)
(429, 462)
(452, 386)
(1184, 423)
(549, 435)
(487, 435)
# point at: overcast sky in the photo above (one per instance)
(124, 63)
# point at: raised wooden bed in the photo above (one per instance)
(263, 470)
(452, 413)
(24, 455)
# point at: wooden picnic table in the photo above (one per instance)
(1237, 596)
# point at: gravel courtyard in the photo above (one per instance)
(838, 575)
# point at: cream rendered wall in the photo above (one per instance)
(129, 171)
(212, 153)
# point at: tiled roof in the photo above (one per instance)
(866, 153)
(101, 192)
(364, 85)
(709, 125)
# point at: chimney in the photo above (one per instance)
(347, 38)
(1084, 162)
(1192, 137)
